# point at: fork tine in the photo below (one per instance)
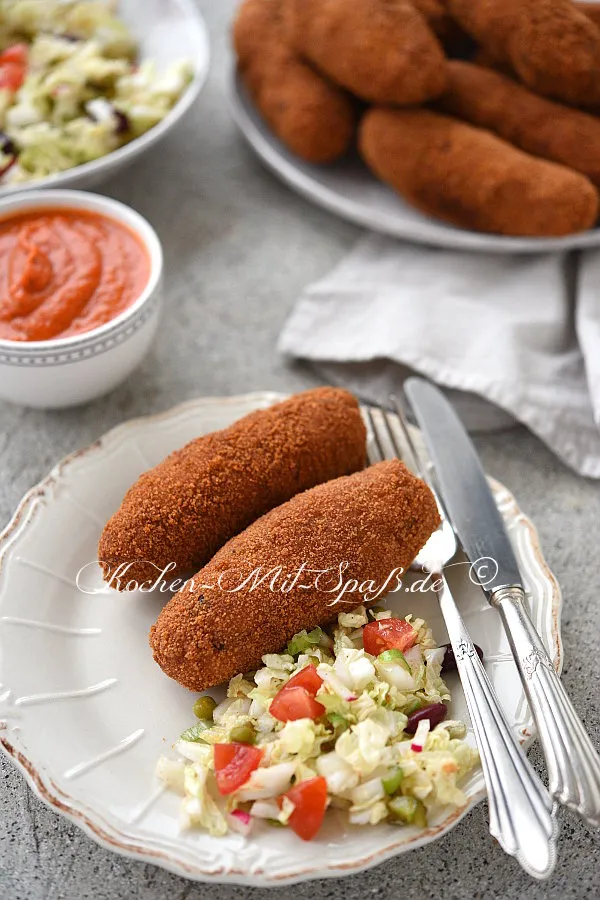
(419, 466)
(391, 436)
(375, 432)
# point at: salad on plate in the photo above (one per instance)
(353, 718)
(72, 88)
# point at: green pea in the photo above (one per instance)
(204, 708)
(243, 734)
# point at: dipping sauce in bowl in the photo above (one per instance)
(66, 271)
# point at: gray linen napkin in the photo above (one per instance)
(518, 336)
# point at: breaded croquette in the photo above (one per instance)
(469, 177)
(551, 45)
(539, 126)
(381, 50)
(358, 529)
(312, 117)
(184, 509)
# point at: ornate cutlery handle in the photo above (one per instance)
(573, 762)
(521, 809)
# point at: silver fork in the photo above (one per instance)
(520, 808)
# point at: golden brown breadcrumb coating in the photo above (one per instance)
(313, 117)
(381, 50)
(535, 124)
(189, 505)
(451, 36)
(552, 46)
(374, 521)
(591, 10)
(469, 177)
(489, 22)
(484, 57)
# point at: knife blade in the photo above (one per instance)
(573, 761)
(464, 488)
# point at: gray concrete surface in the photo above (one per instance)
(239, 246)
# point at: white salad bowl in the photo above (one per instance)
(72, 370)
(166, 31)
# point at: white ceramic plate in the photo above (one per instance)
(85, 712)
(349, 190)
(166, 30)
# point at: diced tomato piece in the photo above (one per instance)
(296, 699)
(388, 634)
(15, 54)
(293, 703)
(308, 678)
(12, 76)
(13, 67)
(234, 763)
(309, 799)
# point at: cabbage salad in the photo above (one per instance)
(354, 720)
(71, 87)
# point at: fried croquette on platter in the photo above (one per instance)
(375, 521)
(551, 45)
(381, 50)
(537, 125)
(471, 178)
(311, 116)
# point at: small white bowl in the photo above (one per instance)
(69, 371)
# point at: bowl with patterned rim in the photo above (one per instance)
(71, 370)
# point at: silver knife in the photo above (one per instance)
(572, 760)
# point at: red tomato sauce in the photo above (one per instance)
(66, 271)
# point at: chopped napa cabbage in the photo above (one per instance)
(368, 815)
(353, 619)
(338, 773)
(435, 689)
(268, 782)
(358, 744)
(298, 737)
(196, 752)
(239, 687)
(172, 773)
(363, 746)
(396, 675)
(199, 807)
(354, 669)
(231, 711)
(304, 641)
